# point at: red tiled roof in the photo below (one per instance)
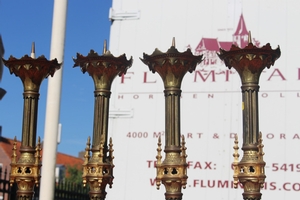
(65, 159)
(210, 44)
(225, 45)
(6, 145)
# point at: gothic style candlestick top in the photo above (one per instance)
(98, 168)
(172, 66)
(103, 69)
(32, 71)
(26, 171)
(249, 63)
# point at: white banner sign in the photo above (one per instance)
(211, 96)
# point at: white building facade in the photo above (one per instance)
(211, 97)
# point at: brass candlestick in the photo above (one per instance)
(26, 171)
(172, 66)
(98, 168)
(249, 63)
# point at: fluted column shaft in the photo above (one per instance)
(172, 118)
(30, 118)
(250, 115)
(101, 113)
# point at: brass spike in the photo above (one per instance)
(111, 150)
(87, 151)
(101, 152)
(260, 147)
(111, 157)
(86, 160)
(32, 55)
(159, 157)
(236, 148)
(37, 161)
(14, 153)
(173, 42)
(104, 47)
(235, 161)
(249, 37)
(260, 159)
(183, 161)
(38, 151)
(183, 149)
(158, 164)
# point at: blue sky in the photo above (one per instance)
(24, 22)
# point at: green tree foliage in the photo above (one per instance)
(74, 174)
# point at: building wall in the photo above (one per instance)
(211, 103)
(4, 158)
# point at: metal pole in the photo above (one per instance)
(53, 102)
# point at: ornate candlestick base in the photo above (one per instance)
(250, 170)
(98, 170)
(172, 172)
(26, 171)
